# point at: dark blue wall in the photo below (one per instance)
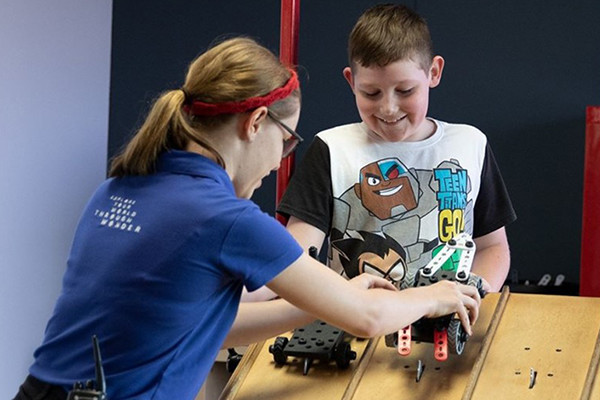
(521, 71)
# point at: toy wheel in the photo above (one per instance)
(409, 280)
(233, 360)
(391, 340)
(457, 337)
(344, 354)
(475, 280)
(277, 350)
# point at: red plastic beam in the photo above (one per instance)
(288, 54)
(589, 282)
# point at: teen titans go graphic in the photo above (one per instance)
(391, 220)
(374, 254)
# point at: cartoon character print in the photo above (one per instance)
(384, 188)
(373, 253)
(419, 210)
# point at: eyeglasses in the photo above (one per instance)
(289, 144)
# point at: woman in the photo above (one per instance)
(166, 245)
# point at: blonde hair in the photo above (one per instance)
(387, 33)
(233, 70)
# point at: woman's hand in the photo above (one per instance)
(368, 281)
(451, 297)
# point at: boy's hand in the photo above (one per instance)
(451, 297)
(368, 281)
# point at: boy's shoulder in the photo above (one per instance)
(351, 127)
(345, 132)
(357, 133)
(460, 129)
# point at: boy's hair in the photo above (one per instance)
(387, 33)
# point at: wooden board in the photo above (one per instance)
(389, 374)
(267, 381)
(592, 388)
(554, 335)
(557, 336)
(595, 392)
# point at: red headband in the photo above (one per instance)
(196, 107)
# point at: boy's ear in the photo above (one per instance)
(250, 124)
(435, 72)
(349, 78)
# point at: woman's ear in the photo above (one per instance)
(435, 72)
(250, 124)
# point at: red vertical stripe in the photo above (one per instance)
(288, 54)
(590, 234)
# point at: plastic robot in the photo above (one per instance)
(317, 340)
(453, 262)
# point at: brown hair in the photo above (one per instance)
(233, 70)
(387, 33)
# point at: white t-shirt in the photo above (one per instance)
(386, 204)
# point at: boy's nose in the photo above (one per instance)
(389, 106)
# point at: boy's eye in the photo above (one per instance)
(405, 91)
(371, 94)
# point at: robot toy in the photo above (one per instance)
(452, 262)
(317, 340)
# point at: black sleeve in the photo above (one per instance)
(493, 208)
(309, 194)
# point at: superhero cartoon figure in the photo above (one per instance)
(418, 209)
(384, 188)
(373, 253)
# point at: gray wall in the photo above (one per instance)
(54, 83)
(521, 71)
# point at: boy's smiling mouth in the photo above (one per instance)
(390, 121)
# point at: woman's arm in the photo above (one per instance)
(367, 313)
(257, 321)
(260, 320)
(307, 236)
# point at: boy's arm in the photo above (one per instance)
(492, 259)
(305, 234)
(261, 294)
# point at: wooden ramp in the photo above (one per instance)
(523, 347)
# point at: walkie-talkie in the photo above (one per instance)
(91, 390)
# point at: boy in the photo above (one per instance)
(398, 175)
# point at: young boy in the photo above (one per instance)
(393, 189)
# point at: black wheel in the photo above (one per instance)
(475, 280)
(457, 337)
(391, 340)
(233, 360)
(343, 355)
(277, 350)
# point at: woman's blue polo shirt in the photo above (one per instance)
(156, 270)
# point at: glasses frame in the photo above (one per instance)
(289, 144)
